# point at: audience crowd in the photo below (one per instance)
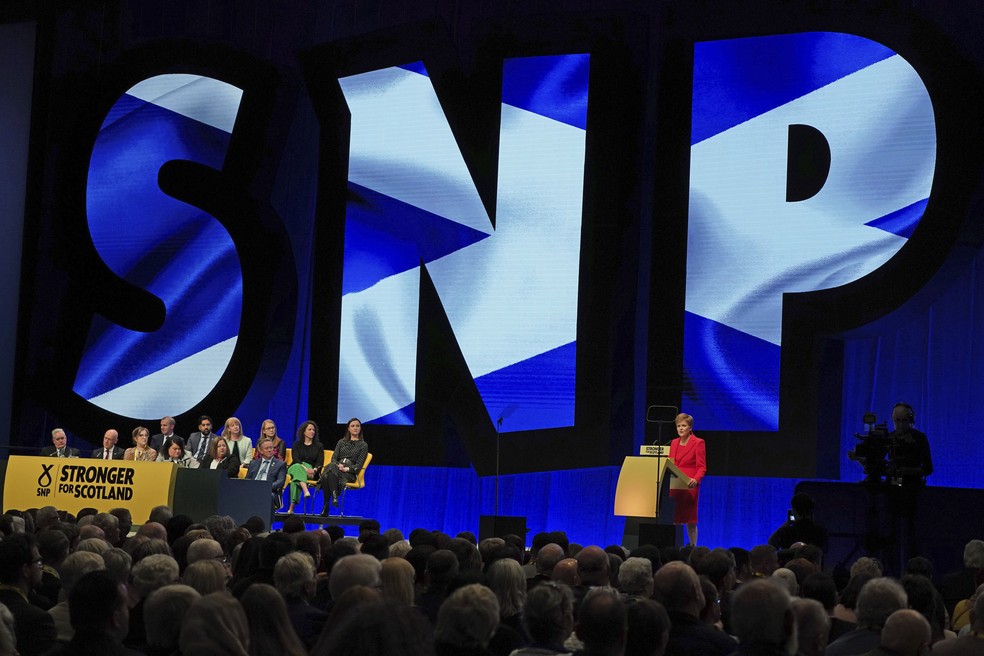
(91, 584)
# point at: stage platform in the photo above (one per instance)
(323, 520)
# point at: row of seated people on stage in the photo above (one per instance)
(235, 454)
(92, 584)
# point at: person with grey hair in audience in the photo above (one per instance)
(509, 585)
(601, 623)
(151, 573)
(635, 578)
(73, 568)
(763, 619)
(906, 633)
(164, 611)
(118, 563)
(466, 622)
(812, 626)
(878, 599)
(676, 586)
(548, 616)
(295, 579)
(207, 576)
(350, 571)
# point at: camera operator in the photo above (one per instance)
(799, 526)
(909, 461)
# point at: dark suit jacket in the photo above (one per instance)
(117, 453)
(49, 451)
(277, 474)
(157, 441)
(34, 628)
(195, 439)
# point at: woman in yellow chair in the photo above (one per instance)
(307, 457)
(349, 457)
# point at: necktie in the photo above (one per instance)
(106, 454)
(202, 447)
(264, 468)
(60, 454)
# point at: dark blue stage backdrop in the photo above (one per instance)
(497, 237)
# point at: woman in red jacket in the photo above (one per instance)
(687, 452)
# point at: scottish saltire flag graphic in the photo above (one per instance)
(510, 292)
(169, 248)
(748, 242)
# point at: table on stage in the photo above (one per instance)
(72, 484)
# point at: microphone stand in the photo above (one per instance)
(659, 443)
(498, 434)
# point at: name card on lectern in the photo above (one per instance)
(653, 450)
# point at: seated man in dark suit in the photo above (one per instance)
(677, 587)
(199, 442)
(20, 572)
(268, 468)
(109, 450)
(59, 448)
(167, 432)
(97, 606)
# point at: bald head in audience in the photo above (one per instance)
(762, 614)
(677, 587)
(548, 557)
(592, 566)
(153, 530)
(566, 572)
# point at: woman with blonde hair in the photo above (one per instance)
(233, 432)
(269, 429)
(396, 580)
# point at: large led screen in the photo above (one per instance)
(171, 249)
(507, 283)
(812, 157)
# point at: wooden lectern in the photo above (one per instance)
(638, 491)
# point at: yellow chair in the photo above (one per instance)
(357, 484)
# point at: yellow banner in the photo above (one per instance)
(75, 483)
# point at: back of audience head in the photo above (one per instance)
(718, 566)
(547, 558)
(469, 558)
(906, 633)
(206, 576)
(164, 612)
(548, 614)
(146, 548)
(812, 626)
(442, 567)
(350, 571)
(488, 546)
(593, 566)
(468, 618)
(376, 545)
(648, 628)
(761, 613)
(677, 587)
(867, 565)
(635, 577)
(203, 549)
(763, 560)
(849, 595)
(821, 587)
(396, 579)
(160, 515)
(118, 563)
(973, 555)
(508, 582)
(215, 623)
(295, 576)
(399, 549)
(879, 598)
(711, 612)
(602, 622)
(270, 628)
(787, 579)
(566, 572)
(98, 602)
(154, 572)
(75, 566)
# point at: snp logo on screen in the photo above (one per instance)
(812, 159)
